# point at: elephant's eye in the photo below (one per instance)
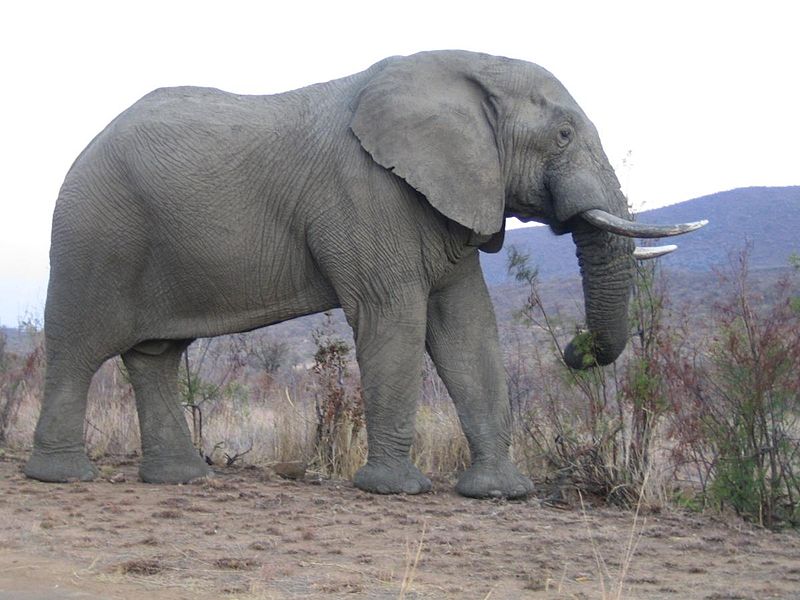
(564, 135)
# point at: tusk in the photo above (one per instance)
(648, 252)
(608, 222)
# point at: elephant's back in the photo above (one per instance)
(208, 107)
(176, 147)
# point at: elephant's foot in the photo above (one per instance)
(499, 479)
(60, 466)
(181, 469)
(393, 478)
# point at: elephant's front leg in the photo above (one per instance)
(390, 343)
(463, 343)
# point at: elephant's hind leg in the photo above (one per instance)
(59, 453)
(167, 452)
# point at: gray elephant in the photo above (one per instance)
(198, 213)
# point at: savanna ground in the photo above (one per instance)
(249, 534)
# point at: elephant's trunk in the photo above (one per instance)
(607, 268)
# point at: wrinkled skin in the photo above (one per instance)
(198, 213)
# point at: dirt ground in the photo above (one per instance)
(247, 534)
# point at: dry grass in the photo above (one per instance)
(439, 444)
(412, 561)
(272, 425)
(612, 585)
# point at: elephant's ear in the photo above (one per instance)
(495, 243)
(425, 118)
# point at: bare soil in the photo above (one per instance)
(246, 534)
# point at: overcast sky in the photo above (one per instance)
(699, 96)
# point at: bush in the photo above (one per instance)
(21, 376)
(738, 402)
(586, 432)
(340, 447)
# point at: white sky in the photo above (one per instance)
(704, 95)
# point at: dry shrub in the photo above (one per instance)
(340, 439)
(21, 383)
(141, 566)
(591, 433)
(736, 395)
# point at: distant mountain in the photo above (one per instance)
(767, 218)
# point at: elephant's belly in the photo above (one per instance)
(216, 301)
(228, 318)
(278, 310)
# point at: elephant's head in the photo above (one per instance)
(484, 138)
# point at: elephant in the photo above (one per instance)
(197, 213)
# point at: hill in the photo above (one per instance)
(766, 218)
